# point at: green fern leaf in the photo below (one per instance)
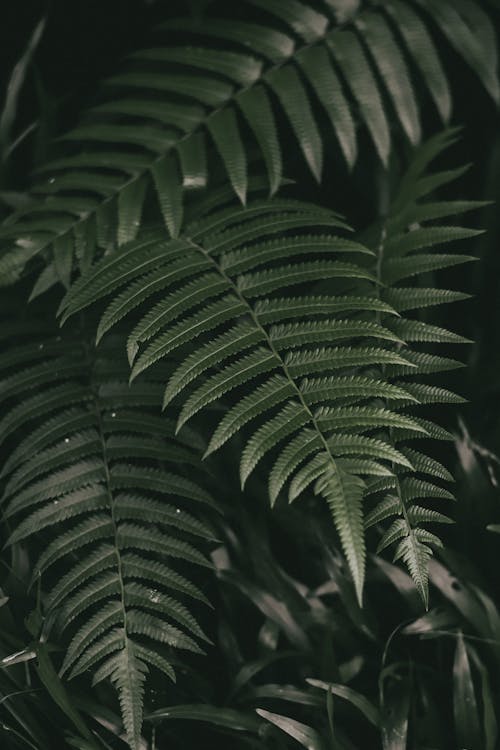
(130, 203)
(294, 453)
(199, 89)
(408, 298)
(325, 331)
(97, 521)
(352, 60)
(256, 255)
(392, 68)
(397, 269)
(186, 298)
(128, 675)
(232, 376)
(289, 89)
(324, 81)
(387, 508)
(427, 465)
(305, 21)
(271, 393)
(101, 559)
(325, 389)
(309, 362)
(416, 330)
(416, 556)
(135, 566)
(206, 319)
(257, 110)
(266, 437)
(236, 334)
(461, 36)
(404, 252)
(193, 161)
(151, 657)
(277, 310)
(420, 46)
(344, 495)
(224, 130)
(265, 41)
(169, 190)
(306, 476)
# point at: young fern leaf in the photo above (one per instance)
(172, 106)
(103, 493)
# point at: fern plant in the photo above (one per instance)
(175, 105)
(315, 370)
(406, 243)
(99, 489)
(256, 319)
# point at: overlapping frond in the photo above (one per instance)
(237, 325)
(205, 87)
(103, 494)
(406, 252)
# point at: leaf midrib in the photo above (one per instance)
(380, 252)
(255, 320)
(100, 428)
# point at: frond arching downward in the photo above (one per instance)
(220, 311)
(173, 105)
(406, 249)
(325, 377)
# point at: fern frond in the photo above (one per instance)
(325, 380)
(403, 253)
(344, 492)
(98, 493)
(128, 673)
(323, 389)
(173, 106)
(229, 335)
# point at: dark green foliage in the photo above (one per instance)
(169, 103)
(309, 375)
(198, 222)
(97, 483)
